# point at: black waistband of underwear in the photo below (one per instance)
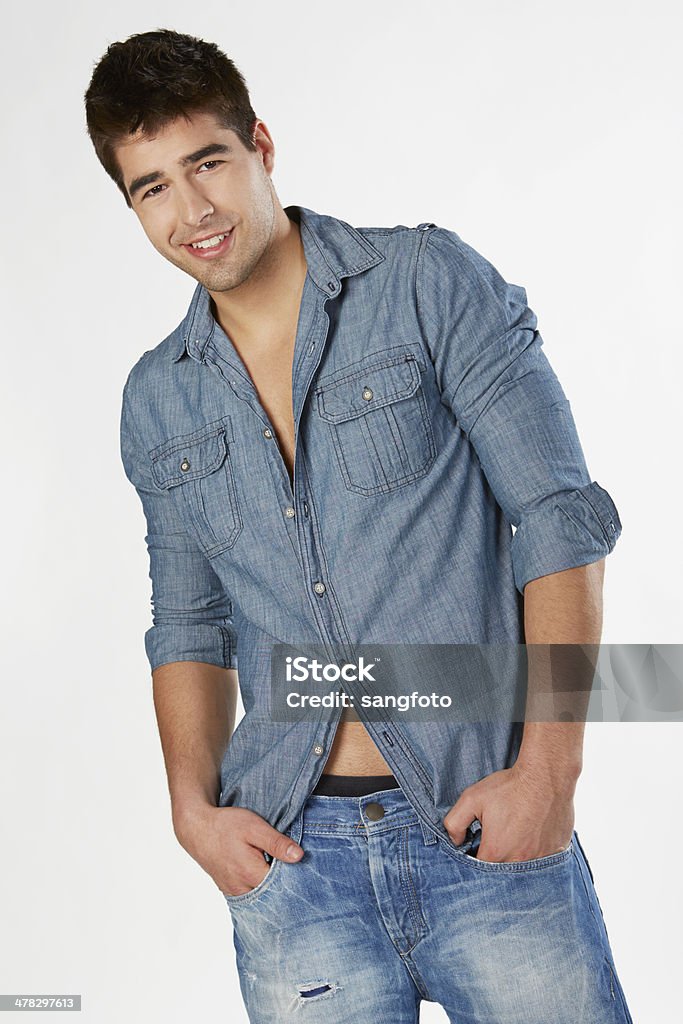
(353, 785)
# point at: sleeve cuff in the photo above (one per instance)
(570, 529)
(206, 642)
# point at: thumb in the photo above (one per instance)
(281, 846)
(461, 815)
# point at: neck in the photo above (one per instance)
(268, 301)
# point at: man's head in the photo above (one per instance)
(171, 121)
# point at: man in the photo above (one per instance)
(332, 448)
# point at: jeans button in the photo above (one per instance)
(374, 811)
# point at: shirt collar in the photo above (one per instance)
(333, 250)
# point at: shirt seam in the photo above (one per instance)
(419, 293)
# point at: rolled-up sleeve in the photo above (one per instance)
(490, 367)
(191, 612)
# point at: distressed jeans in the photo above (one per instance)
(380, 914)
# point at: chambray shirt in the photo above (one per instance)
(429, 424)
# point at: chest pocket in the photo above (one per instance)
(197, 469)
(380, 424)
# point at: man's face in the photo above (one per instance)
(184, 189)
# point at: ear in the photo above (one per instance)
(263, 141)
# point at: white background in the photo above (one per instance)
(549, 137)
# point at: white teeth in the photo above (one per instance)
(208, 243)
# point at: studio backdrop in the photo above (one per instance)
(548, 137)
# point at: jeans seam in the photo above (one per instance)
(408, 885)
(616, 986)
(588, 899)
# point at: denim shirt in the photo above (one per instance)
(437, 470)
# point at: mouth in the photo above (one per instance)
(211, 246)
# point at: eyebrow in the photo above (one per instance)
(200, 154)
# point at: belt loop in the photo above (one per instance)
(427, 834)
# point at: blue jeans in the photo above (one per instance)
(380, 914)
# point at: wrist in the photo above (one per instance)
(188, 815)
(560, 777)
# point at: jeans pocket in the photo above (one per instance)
(257, 891)
(534, 864)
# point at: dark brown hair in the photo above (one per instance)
(154, 77)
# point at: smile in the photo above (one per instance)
(208, 247)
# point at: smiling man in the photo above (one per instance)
(333, 447)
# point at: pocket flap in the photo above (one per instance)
(368, 389)
(189, 457)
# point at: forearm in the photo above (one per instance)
(195, 707)
(561, 608)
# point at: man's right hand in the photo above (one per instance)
(228, 842)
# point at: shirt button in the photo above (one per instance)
(367, 393)
(185, 465)
(612, 527)
(289, 512)
(267, 432)
(317, 749)
(319, 588)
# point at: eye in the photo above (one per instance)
(207, 162)
(152, 192)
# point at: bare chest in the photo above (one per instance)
(353, 751)
(271, 375)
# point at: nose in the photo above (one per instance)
(193, 206)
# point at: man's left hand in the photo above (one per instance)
(523, 815)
